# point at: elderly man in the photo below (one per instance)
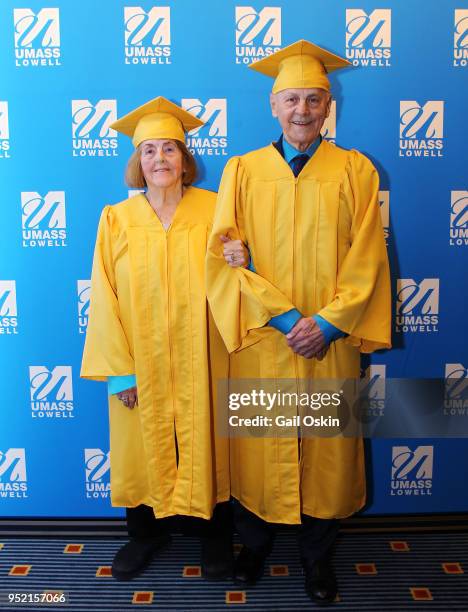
(316, 294)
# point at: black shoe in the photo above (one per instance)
(320, 582)
(248, 567)
(216, 557)
(133, 557)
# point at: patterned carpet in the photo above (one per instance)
(376, 571)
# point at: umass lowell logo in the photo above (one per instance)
(147, 35)
(13, 481)
(43, 219)
(412, 470)
(258, 33)
(417, 305)
(459, 218)
(4, 130)
(328, 130)
(372, 390)
(210, 139)
(84, 293)
(384, 203)
(97, 470)
(37, 37)
(460, 38)
(368, 37)
(91, 131)
(456, 389)
(51, 392)
(421, 129)
(8, 310)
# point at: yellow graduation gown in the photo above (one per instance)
(317, 245)
(149, 316)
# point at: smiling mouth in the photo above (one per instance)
(301, 122)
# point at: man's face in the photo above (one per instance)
(301, 113)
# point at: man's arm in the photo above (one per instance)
(361, 306)
(308, 337)
(240, 300)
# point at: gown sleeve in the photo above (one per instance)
(361, 306)
(240, 300)
(116, 384)
(106, 352)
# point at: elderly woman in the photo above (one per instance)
(151, 336)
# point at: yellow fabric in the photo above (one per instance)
(302, 65)
(158, 125)
(317, 245)
(148, 316)
(301, 72)
(158, 118)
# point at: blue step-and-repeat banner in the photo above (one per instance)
(68, 69)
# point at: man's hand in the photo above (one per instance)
(129, 397)
(234, 252)
(319, 356)
(307, 339)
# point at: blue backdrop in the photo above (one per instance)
(69, 69)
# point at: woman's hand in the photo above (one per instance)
(235, 253)
(129, 397)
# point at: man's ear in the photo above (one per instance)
(273, 104)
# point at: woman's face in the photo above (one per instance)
(161, 163)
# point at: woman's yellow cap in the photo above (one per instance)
(301, 65)
(158, 118)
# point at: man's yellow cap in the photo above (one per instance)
(158, 118)
(300, 66)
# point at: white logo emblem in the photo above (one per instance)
(373, 389)
(329, 126)
(91, 131)
(460, 38)
(8, 310)
(258, 33)
(8, 299)
(97, 466)
(147, 35)
(412, 470)
(211, 138)
(4, 131)
(374, 380)
(384, 201)
(13, 481)
(368, 37)
(417, 305)
(37, 37)
(456, 390)
(420, 298)
(13, 465)
(408, 463)
(459, 218)
(51, 392)
(84, 291)
(4, 128)
(421, 128)
(418, 121)
(43, 219)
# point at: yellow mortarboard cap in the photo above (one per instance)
(301, 65)
(158, 118)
